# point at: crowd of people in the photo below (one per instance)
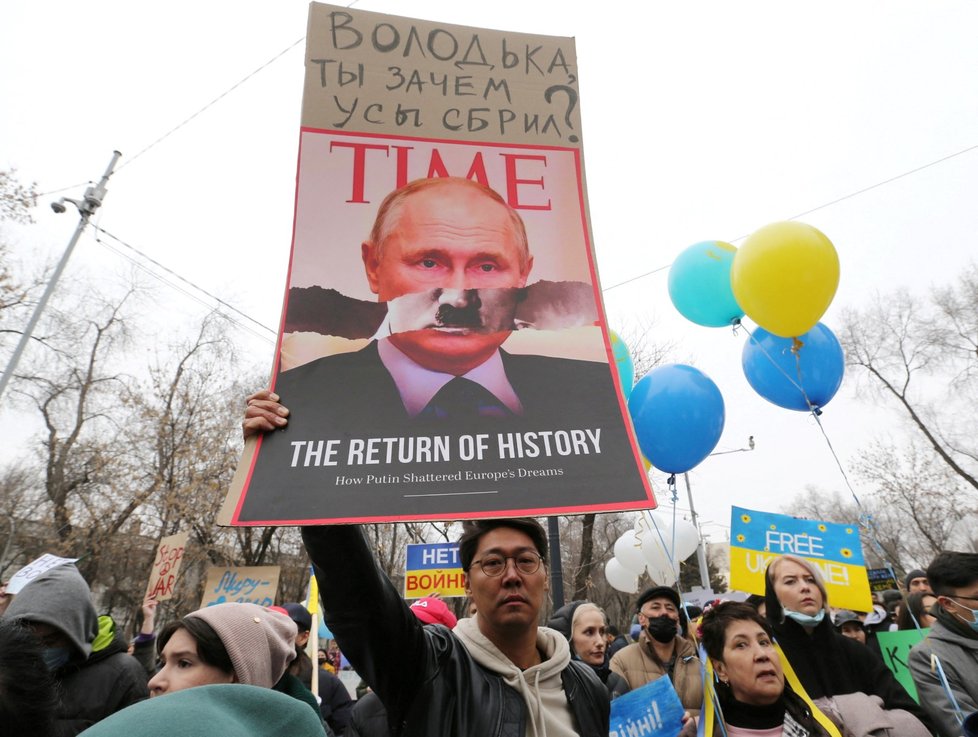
(783, 664)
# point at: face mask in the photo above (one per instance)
(805, 620)
(663, 629)
(55, 657)
(974, 613)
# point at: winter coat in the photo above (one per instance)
(100, 678)
(425, 675)
(958, 654)
(830, 664)
(638, 665)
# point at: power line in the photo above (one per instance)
(606, 289)
(836, 201)
(196, 287)
(217, 99)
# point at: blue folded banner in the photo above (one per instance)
(654, 710)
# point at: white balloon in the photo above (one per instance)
(628, 551)
(686, 536)
(661, 576)
(656, 558)
(620, 578)
(687, 539)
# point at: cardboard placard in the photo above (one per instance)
(166, 566)
(241, 584)
(480, 267)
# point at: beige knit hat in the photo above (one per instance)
(259, 641)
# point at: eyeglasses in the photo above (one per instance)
(966, 598)
(494, 565)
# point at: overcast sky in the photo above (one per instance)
(700, 121)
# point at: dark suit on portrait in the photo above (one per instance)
(352, 395)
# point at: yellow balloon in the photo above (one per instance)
(785, 276)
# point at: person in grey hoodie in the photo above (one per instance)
(93, 674)
(953, 642)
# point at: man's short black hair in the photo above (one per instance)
(473, 530)
(951, 570)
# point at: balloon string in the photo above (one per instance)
(785, 374)
(865, 519)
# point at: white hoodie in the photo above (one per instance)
(547, 712)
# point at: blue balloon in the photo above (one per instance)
(623, 362)
(774, 370)
(678, 415)
(699, 284)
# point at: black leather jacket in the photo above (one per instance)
(425, 677)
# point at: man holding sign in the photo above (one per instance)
(495, 673)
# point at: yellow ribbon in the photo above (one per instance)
(709, 711)
(789, 674)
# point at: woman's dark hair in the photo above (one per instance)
(913, 605)
(209, 646)
(28, 699)
(472, 532)
(713, 628)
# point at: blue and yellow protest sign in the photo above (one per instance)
(653, 710)
(433, 568)
(757, 538)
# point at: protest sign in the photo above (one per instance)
(881, 579)
(478, 132)
(757, 538)
(433, 568)
(166, 566)
(34, 569)
(653, 710)
(895, 647)
(241, 584)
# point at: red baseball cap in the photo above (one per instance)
(432, 610)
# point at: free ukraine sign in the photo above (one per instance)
(433, 568)
(757, 538)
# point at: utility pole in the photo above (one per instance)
(556, 569)
(86, 207)
(700, 546)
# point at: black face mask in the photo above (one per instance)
(662, 629)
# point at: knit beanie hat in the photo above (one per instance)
(915, 573)
(259, 641)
